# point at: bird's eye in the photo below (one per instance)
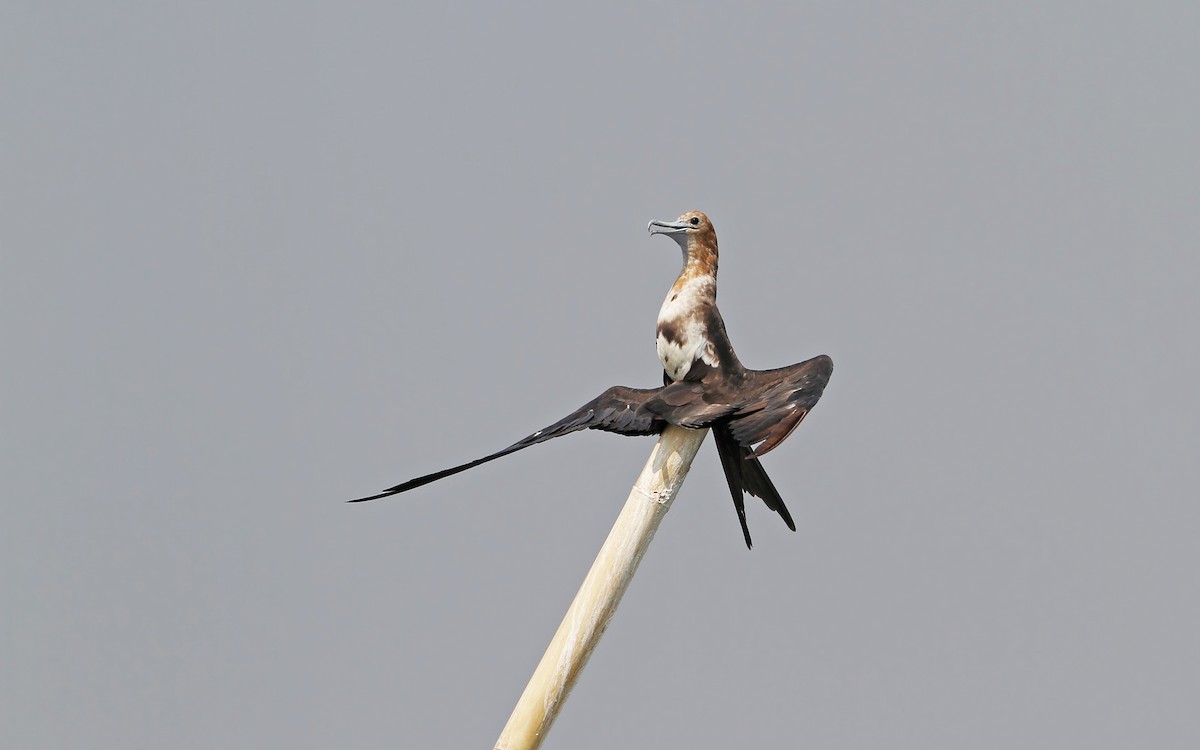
(695, 220)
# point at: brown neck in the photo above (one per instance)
(701, 256)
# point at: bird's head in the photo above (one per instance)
(693, 231)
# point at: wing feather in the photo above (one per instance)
(781, 399)
(617, 410)
(689, 404)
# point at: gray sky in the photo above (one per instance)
(259, 260)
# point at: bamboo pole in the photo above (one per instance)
(601, 592)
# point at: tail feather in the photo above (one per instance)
(730, 462)
(757, 483)
(745, 474)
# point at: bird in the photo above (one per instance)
(705, 385)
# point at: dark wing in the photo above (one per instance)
(693, 404)
(616, 410)
(776, 401)
(744, 473)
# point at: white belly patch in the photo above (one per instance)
(682, 335)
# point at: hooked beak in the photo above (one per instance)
(668, 227)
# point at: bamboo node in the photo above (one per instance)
(657, 496)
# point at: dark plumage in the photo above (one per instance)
(705, 385)
(711, 388)
(616, 410)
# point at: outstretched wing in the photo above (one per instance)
(777, 401)
(616, 410)
(694, 403)
(744, 473)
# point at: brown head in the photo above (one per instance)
(696, 237)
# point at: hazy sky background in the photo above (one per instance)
(262, 258)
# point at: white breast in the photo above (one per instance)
(689, 339)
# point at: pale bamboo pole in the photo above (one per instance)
(602, 589)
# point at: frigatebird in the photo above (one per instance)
(750, 412)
